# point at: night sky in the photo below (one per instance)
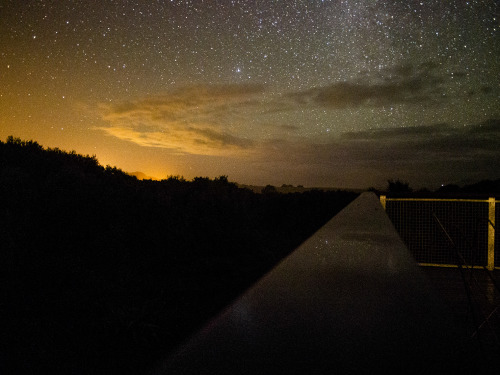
(318, 93)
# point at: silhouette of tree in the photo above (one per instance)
(398, 186)
(269, 189)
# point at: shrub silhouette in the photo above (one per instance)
(269, 189)
(398, 186)
(104, 273)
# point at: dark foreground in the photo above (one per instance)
(349, 300)
(474, 300)
(103, 274)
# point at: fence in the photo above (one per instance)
(446, 232)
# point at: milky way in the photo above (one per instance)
(318, 93)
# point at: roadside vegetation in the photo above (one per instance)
(103, 273)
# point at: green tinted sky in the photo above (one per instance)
(318, 93)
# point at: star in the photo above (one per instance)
(136, 80)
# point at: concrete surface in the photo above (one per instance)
(350, 299)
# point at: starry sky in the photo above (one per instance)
(326, 93)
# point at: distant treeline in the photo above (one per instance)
(481, 189)
(101, 273)
(490, 188)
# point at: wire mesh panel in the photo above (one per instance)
(442, 231)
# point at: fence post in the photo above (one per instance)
(491, 234)
(382, 201)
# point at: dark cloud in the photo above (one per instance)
(212, 137)
(471, 135)
(289, 128)
(189, 97)
(423, 155)
(489, 127)
(439, 141)
(384, 134)
(237, 122)
(402, 84)
(486, 89)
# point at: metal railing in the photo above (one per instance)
(446, 232)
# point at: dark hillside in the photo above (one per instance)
(102, 273)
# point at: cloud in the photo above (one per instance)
(278, 133)
(199, 119)
(423, 155)
(440, 143)
(430, 155)
(192, 140)
(401, 84)
(435, 140)
(234, 118)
